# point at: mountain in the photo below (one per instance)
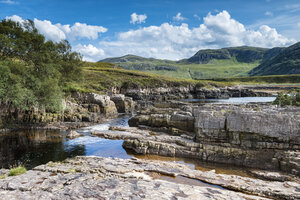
(241, 54)
(133, 58)
(133, 62)
(283, 61)
(219, 63)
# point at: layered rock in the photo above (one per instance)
(124, 104)
(79, 108)
(262, 137)
(111, 178)
(189, 92)
(106, 105)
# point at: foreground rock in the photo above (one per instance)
(108, 178)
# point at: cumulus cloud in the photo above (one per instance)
(58, 32)
(9, 2)
(135, 18)
(89, 52)
(175, 42)
(79, 30)
(178, 17)
(50, 31)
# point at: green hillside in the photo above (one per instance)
(205, 64)
(241, 54)
(220, 63)
(287, 61)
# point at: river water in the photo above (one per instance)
(34, 147)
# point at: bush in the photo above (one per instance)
(291, 98)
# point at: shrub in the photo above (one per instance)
(291, 98)
(17, 171)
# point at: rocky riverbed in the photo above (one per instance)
(111, 178)
(255, 136)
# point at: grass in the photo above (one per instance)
(213, 69)
(17, 171)
(103, 77)
(2, 177)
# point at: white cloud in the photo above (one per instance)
(178, 17)
(197, 16)
(9, 2)
(89, 52)
(58, 32)
(79, 30)
(175, 42)
(268, 13)
(50, 31)
(15, 18)
(138, 18)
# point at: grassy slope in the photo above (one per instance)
(213, 69)
(286, 62)
(101, 77)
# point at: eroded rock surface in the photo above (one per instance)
(258, 136)
(108, 178)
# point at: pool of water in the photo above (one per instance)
(35, 147)
(233, 100)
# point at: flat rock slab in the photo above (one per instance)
(111, 178)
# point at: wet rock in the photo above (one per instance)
(73, 134)
(271, 176)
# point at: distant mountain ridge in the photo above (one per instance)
(133, 58)
(242, 54)
(258, 61)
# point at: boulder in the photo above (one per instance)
(123, 104)
(73, 134)
(107, 106)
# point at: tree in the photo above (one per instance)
(32, 69)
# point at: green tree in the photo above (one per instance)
(33, 71)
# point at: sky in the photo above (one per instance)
(162, 29)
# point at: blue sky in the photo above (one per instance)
(159, 28)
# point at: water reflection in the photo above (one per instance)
(35, 147)
(32, 148)
(233, 100)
